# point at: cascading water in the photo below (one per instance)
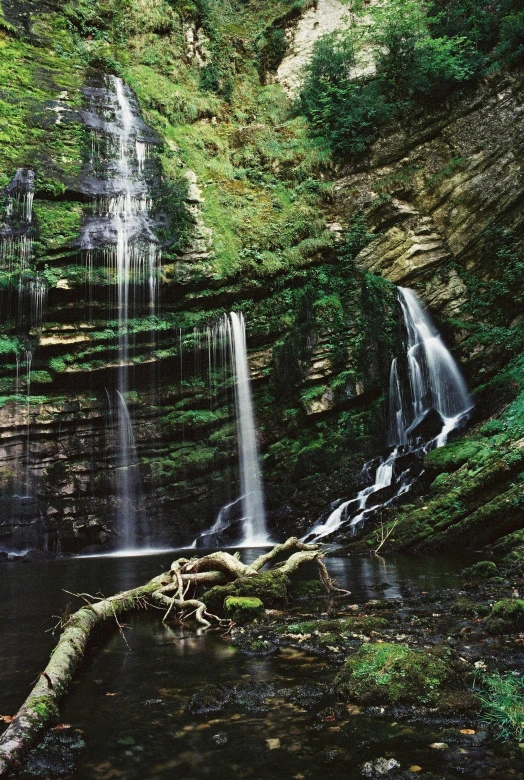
(254, 520)
(120, 235)
(435, 378)
(436, 386)
(230, 335)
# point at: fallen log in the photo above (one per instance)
(167, 591)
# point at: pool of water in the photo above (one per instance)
(129, 703)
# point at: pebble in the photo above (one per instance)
(439, 745)
(273, 744)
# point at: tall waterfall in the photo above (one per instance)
(254, 520)
(119, 236)
(227, 346)
(435, 386)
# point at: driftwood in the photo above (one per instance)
(168, 591)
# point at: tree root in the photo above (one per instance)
(167, 592)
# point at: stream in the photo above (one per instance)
(127, 713)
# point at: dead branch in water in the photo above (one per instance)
(167, 592)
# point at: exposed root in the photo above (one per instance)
(167, 592)
(327, 581)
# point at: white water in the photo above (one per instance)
(134, 261)
(226, 346)
(435, 382)
(254, 514)
(435, 378)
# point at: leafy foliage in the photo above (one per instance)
(422, 52)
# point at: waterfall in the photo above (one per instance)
(119, 235)
(435, 378)
(435, 385)
(226, 343)
(254, 520)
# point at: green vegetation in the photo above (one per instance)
(268, 587)
(243, 609)
(422, 53)
(481, 571)
(395, 674)
(502, 698)
(507, 615)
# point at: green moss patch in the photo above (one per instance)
(395, 674)
(270, 588)
(243, 609)
(506, 616)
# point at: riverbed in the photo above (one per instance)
(130, 712)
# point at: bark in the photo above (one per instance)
(168, 591)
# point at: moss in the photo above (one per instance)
(58, 223)
(395, 674)
(506, 616)
(481, 571)
(243, 609)
(464, 606)
(307, 589)
(453, 455)
(45, 708)
(270, 587)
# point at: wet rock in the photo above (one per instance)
(210, 698)
(220, 739)
(55, 756)
(380, 767)
(252, 696)
(426, 427)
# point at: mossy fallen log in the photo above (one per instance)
(169, 591)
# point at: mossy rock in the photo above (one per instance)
(307, 589)
(243, 609)
(506, 616)
(452, 456)
(270, 587)
(465, 606)
(395, 674)
(482, 570)
(210, 698)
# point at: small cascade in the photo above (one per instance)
(242, 520)
(23, 302)
(437, 403)
(435, 378)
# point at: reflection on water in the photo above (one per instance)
(130, 700)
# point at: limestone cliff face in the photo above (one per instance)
(239, 206)
(431, 186)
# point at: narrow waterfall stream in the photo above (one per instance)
(227, 345)
(438, 402)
